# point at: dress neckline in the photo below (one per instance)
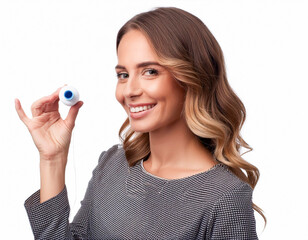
(197, 175)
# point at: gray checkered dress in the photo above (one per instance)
(124, 202)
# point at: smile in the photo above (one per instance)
(141, 112)
(141, 108)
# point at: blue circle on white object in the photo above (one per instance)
(68, 94)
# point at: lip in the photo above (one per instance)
(141, 114)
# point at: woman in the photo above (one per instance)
(178, 173)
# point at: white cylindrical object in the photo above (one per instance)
(69, 95)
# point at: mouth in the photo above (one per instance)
(139, 112)
(141, 108)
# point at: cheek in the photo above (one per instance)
(152, 88)
(156, 90)
(119, 96)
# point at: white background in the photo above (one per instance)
(46, 44)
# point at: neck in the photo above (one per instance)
(175, 146)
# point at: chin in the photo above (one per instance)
(141, 129)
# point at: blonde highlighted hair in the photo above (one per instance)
(213, 112)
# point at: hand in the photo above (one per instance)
(50, 133)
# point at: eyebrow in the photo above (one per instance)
(139, 65)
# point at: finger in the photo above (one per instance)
(46, 104)
(55, 96)
(72, 114)
(23, 117)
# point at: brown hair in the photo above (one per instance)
(213, 112)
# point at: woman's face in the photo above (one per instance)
(142, 83)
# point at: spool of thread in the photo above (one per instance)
(69, 95)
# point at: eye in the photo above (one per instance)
(151, 72)
(122, 75)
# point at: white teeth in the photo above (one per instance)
(142, 108)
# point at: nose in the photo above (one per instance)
(132, 87)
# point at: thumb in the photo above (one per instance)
(72, 114)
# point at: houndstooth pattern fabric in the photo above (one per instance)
(124, 202)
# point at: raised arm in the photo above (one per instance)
(48, 208)
(51, 135)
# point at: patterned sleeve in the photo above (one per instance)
(233, 216)
(50, 219)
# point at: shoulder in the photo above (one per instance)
(234, 193)
(220, 182)
(114, 157)
(234, 200)
(227, 182)
(112, 152)
(232, 211)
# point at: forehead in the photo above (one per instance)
(134, 48)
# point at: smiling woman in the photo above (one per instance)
(178, 172)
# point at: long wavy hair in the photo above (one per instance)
(213, 112)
